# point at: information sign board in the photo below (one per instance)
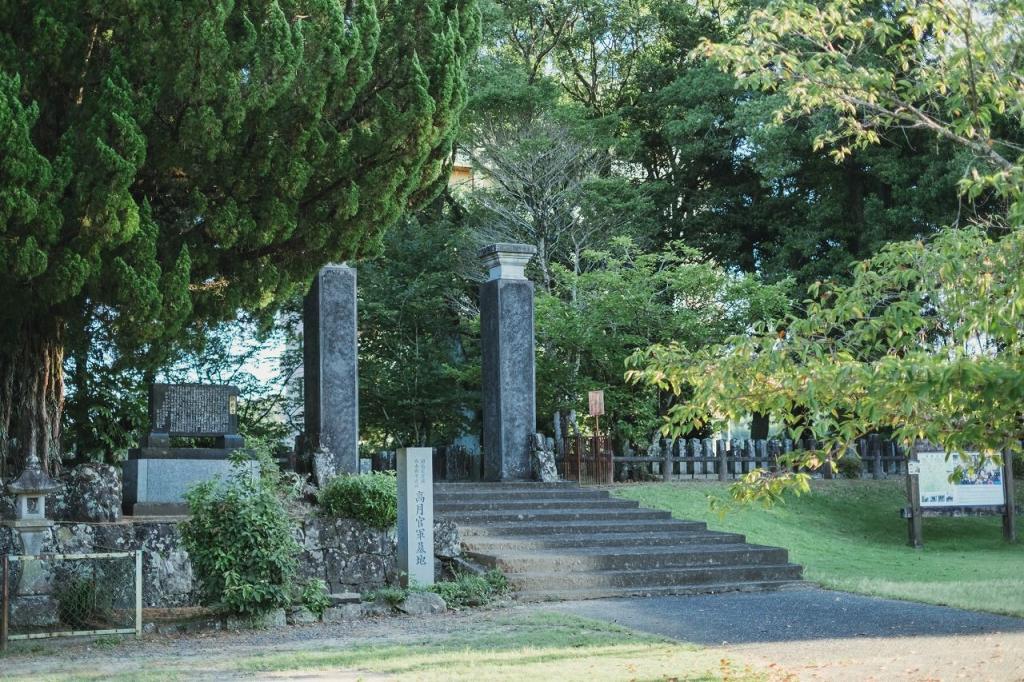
(978, 487)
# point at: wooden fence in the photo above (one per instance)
(591, 460)
(719, 459)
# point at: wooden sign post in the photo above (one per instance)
(596, 399)
(1009, 511)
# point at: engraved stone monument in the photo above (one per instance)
(416, 516)
(508, 372)
(157, 475)
(331, 374)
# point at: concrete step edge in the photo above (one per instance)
(612, 592)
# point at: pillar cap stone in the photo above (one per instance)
(506, 261)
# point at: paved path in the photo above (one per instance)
(812, 634)
(787, 616)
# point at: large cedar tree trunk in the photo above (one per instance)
(31, 396)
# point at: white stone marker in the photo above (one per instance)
(416, 516)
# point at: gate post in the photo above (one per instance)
(138, 593)
(4, 607)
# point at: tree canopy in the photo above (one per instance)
(924, 341)
(164, 163)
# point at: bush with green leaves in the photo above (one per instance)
(370, 498)
(392, 596)
(472, 590)
(315, 597)
(240, 538)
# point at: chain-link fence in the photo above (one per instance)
(61, 595)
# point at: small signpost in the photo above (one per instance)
(596, 399)
(416, 516)
(982, 490)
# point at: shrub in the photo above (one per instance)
(472, 590)
(370, 498)
(240, 539)
(850, 465)
(80, 602)
(315, 597)
(392, 596)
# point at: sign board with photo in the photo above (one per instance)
(978, 486)
(982, 487)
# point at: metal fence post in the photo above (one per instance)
(138, 593)
(3, 605)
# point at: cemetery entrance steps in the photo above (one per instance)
(562, 541)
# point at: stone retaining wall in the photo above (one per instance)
(348, 555)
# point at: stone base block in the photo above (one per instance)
(159, 485)
(33, 612)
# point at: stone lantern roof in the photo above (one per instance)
(33, 480)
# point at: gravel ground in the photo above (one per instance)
(799, 634)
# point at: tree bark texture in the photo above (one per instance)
(31, 396)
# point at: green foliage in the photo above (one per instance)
(917, 345)
(241, 541)
(472, 590)
(624, 299)
(315, 597)
(392, 596)
(923, 342)
(152, 191)
(948, 68)
(417, 359)
(851, 465)
(80, 601)
(371, 498)
(466, 590)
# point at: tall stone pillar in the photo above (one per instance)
(331, 373)
(508, 373)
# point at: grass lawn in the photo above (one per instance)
(497, 645)
(848, 535)
(543, 646)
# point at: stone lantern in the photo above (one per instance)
(29, 492)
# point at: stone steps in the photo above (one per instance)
(489, 505)
(548, 594)
(577, 527)
(560, 541)
(485, 544)
(643, 578)
(632, 558)
(589, 514)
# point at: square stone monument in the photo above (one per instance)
(507, 363)
(157, 475)
(331, 374)
(416, 516)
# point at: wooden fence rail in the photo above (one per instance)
(724, 460)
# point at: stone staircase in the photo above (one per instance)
(561, 541)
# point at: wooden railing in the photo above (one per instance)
(726, 459)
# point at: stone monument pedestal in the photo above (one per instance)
(157, 475)
(157, 487)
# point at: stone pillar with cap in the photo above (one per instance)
(508, 372)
